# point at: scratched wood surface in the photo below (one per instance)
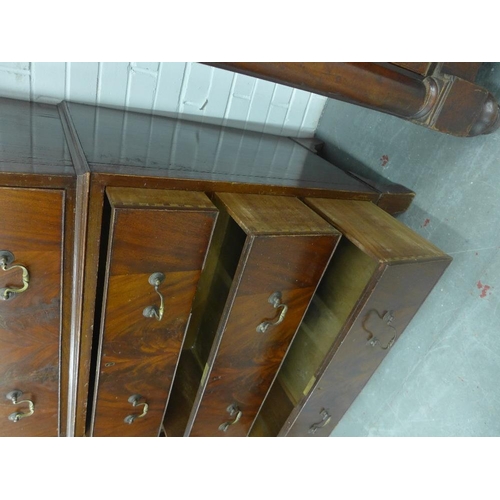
(32, 139)
(31, 227)
(138, 355)
(190, 154)
(374, 231)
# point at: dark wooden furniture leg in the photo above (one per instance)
(440, 101)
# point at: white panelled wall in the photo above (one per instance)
(187, 90)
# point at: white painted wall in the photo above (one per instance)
(190, 90)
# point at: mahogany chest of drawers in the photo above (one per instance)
(163, 277)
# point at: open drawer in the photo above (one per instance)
(158, 241)
(379, 277)
(267, 257)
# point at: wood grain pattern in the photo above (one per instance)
(155, 198)
(422, 68)
(374, 231)
(390, 89)
(31, 227)
(138, 355)
(262, 215)
(242, 363)
(379, 277)
(355, 360)
(367, 84)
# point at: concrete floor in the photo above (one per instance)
(441, 377)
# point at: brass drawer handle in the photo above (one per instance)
(156, 279)
(384, 324)
(18, 415)
(325, 420)
(6, 259)
(275, 301)
(134, 400)
(231, 409)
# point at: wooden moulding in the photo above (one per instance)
(379, 277)
(261, 245)
(393, 198)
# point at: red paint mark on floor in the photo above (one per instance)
(384, 160)
(484, 289)
(426, 222)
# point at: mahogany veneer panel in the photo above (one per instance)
(151, 231)
(30, 324)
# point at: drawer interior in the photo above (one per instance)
(220, 267)
(341, 288)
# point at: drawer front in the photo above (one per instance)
(376, 325)
(140, 345)
(246, 360)
(31, 229)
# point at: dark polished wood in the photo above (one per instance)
(197, 156)
(32, 139)
(284, 248)
(78, 334)
(466, 70)
(151, 231)
(37, 180)
(74, 287)
(440, 101)
(422, 68)
(393, 198)
(380, 276)
(31, 227)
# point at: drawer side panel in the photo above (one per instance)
(244, 361)
(398, 295)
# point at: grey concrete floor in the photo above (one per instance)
(441, 377)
